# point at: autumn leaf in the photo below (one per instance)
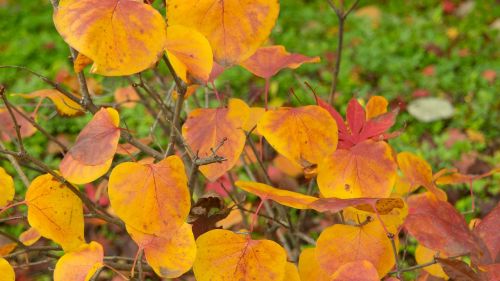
(7, 271)
(206, 128)
(458, 270)
(424, 255)
(55, 212)
(92, 154)
(303, 134)
(341, 244)
(487, 230)
(458, 178)
(7, 126)
(81, 62)
(309, 268)
(437, 225)
(419, 173)
(291, 272)
(190, 53)
(151, 198)
(126, 97)
(381, 205)
(131, 35)
(224, 255)
(80, 264)
(7, 190)
(365, 170)
(170, 254)
(256, 114)
(7, 248)
(376, 106)
(267, 61)
(30, 236)
(360, 270)
(235, 29)
(64, 105)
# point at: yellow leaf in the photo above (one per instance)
(7, 248)
(235, 29)
(81, 62)
(365, 170)
(55, 211)
(377, 105)
(170, 254)
(255, 114)
(304, 134)
(309, 268)
(206, 128)
(224, 255)
(192, 53)
(64, 105)
(30, 236)
(151, 198)
(7, 190)
(122, 37)
(291, 272)
(424, 255)
(81, 264)
(340, 244)
(7, 271)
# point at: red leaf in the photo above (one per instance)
(487, 230)
(356, 116)
(458, 270)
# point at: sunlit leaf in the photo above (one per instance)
(309, 268)
(80, 264)
(55, 211)
(360, 270)
(151, 198)
(282, 196)
(267, 61)
(64, 105)
(304, 134)
(235, 29)
(367, 169)
(30, 236)
(170, 254)
(190, 53)
(377, 105)
(7, 190)
(205, 129)
(340, 244)
(424, 255)
(122, 37)
(291, 272)
(224, 255)
(7, 271)
(381, 205)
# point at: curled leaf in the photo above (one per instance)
(64, 105)
(284, 197)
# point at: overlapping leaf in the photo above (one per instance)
(64, 105)
(235, 29)
(304, 134)
(224, 255)
(55, 211)
(487, 230)
(424, 255)
(365, 170)
(92, 154)
(361, 270)
(7, 271)
(267, 61)
(150, 198)
(206, 129)
(309, 268)
(7, 190)
(291, 272)
(122, 37)
(80, 264)
(282, 196)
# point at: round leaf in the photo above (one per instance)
(7, 271)
(80, 264)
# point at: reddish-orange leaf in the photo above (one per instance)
(7, 126)
(30, 236)
(126, 97)
(366, 170)
(487, 230)
(122, 37)
(303, 134)
(224, 255)
(267, 61)
(361, 270)
(235, 29)
(80, 264)
(340, 244)
(419, 173)
(282, 196)
(128, 149)
(206, 129)
(170, 254)
(457, 178)
(7, 248)
(151, 198)
(437, 225)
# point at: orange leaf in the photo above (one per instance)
(122, 37)
(256, 114)
(7, 190)
(64, 105)
(224, 255)
(81, 62)
(382, 205)
(267, 61)
(291, 272)
(304, 134)
(126, 97)
(361, 270)
(92, 154)
(340, 244)
(457, 178)
(235, 29)
(377, 105)
(55, 211)
(7, 271)
(189, 52)
(284, 197)
(424, 255)
(365, 170)
(6, 249)
(80, 264)
(170, 254)
(419, 173)
(30, 236)
(7, 127)
(151, 198)
(205, 129)
(309, 268)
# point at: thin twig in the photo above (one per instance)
(17, 128)
(17, 167)
(419, 266)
